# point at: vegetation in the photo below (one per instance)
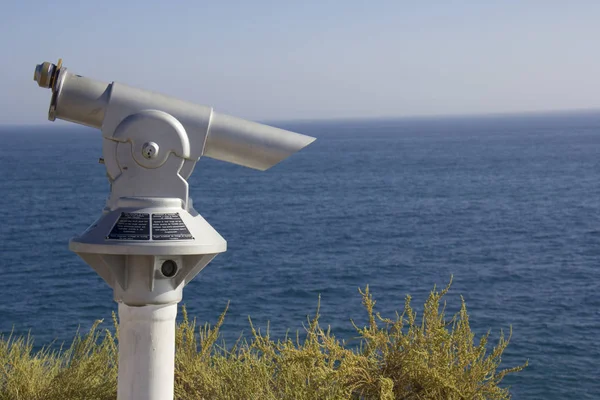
(400, 358)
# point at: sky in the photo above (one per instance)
(282, 60)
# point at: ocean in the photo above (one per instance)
(507, 205)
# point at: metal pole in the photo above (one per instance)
(146, 352)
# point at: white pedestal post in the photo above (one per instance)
(146, 352)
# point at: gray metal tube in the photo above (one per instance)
(103, 106)
(82, 100)
(249, 143)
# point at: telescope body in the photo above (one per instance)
(151, 143)
(104, 105)
(149, 241)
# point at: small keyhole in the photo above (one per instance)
(149, 150)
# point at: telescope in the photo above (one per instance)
(149, 241)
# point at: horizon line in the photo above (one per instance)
(383, 117)
(444, 116)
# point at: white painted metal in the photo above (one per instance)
(101, 105)
(79, 99)
(206, 240)
(151, 144)
(134, 175)
(146, 352)
(250, 144)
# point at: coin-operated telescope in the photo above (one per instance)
(149, 242)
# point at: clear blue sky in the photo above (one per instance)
(267, 60)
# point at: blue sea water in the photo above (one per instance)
(508, 205)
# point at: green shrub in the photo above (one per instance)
(398, 358)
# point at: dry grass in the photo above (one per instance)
(400, 358)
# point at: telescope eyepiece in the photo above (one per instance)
(45, 74)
